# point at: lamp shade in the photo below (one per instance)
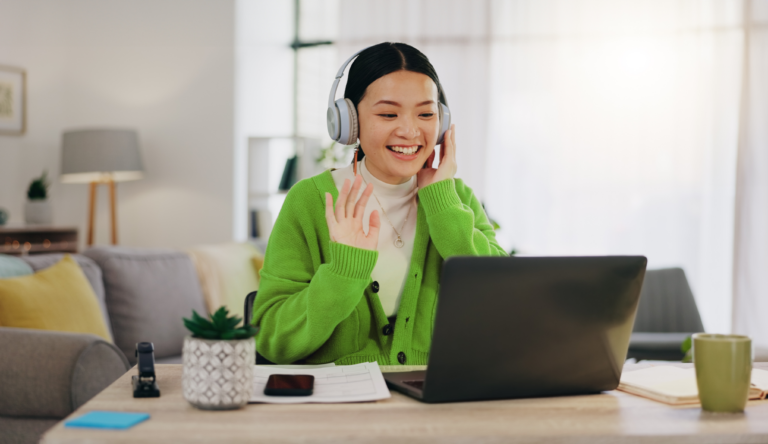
(95, 154)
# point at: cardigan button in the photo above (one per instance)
(375, 286)
(388, 329)
(401, 358)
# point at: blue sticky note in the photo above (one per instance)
(107, 420)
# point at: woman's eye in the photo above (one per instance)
(427, 115)
(388, 115)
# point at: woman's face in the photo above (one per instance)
(399, 125)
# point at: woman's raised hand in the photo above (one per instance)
(345, 223)
(447, 166)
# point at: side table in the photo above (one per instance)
(21, 241)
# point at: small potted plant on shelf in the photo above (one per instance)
(218, 361)
(37, 209)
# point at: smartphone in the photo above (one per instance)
(289, 385)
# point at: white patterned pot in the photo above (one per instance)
(38, 212)
(218, 374)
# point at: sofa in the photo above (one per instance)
(142, 295)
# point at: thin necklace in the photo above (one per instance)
(399, 241)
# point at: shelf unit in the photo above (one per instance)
(267, 157)
(22, 241)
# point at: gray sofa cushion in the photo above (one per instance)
(90, 269)
(24, 430)
(49, 374)
(148, 292)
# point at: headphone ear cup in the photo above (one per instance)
(332, 121)
(445, 121)
(354, 129)
(347, 122)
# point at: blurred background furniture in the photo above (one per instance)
(37, 240)
(666, 315)
(47, 375)
(101, 156)
(143, 295)
(227, 272)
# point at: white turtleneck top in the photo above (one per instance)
(392, 265)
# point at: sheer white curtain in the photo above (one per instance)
(613, 130)
(751, 250)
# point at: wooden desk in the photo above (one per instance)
(612, 417)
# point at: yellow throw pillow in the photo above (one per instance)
(59, 298)
(258, 263)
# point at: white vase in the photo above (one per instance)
(38, 212)
(218, 374)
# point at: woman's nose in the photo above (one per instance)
(408, 129)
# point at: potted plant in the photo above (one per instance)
(218, 361)
(37, 209)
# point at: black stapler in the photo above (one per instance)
(144, 385)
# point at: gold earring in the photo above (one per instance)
(355, 159)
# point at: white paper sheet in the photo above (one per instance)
(343, 383)
(299, 366)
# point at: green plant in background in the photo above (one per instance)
(38, 189)
(334, 154)
(221, 326)
(496, 226)
(687, 348)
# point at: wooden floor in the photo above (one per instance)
(612, 417)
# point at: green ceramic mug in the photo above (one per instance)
(723, 371)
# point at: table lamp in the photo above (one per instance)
(100, 156)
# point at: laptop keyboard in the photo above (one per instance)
(416, 384)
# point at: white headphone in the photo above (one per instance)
(342, 116)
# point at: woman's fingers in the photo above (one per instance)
(352, 198)
(374, 223)
(329, 217)
(340, 210)
(363, 201)
(430, 159)
(450, 148)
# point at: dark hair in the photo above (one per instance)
(382, 59)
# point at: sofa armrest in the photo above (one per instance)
(50, 374)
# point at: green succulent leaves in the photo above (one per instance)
(38, 189)
(220, 326)
(687, 348)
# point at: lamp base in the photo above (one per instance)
(112, 207)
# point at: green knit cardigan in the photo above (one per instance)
(316, 302)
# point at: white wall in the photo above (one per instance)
(165, 68)
(264, 85)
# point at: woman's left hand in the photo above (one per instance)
(446, 168)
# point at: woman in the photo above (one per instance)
(357, 280)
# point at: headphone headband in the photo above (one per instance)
(339, 75)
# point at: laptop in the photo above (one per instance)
(519, 327)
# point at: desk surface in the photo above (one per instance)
(611, 417)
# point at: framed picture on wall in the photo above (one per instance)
(13, 101)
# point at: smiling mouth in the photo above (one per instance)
(407, 151)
